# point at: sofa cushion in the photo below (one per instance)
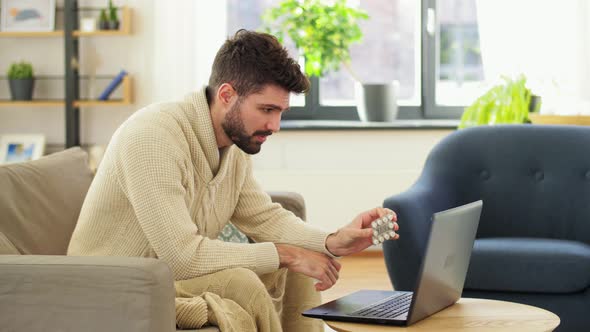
(529, 265)
(41, 199)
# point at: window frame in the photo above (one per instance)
(428, 109)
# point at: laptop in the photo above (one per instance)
(440, 279)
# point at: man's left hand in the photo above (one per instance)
(357, 236)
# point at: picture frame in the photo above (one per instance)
(21, 148)
(27, 15)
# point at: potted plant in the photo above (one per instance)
(21, 80)
(103, 22)
(322, 32)
(509, 102)
(113, 18)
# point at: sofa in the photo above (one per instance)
(41, 289)
(533, 241)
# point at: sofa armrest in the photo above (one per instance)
(66, 293)
(291, 201)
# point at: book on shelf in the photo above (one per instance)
(112, 86)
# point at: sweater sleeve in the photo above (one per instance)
(262, 220)
(151, 168)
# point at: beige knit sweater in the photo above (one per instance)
(164, 190)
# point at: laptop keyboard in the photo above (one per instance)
(390, 307)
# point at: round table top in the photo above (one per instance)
(468, 314)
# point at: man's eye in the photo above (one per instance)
(268, 110)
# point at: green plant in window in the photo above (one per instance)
(321, 30)
(20, 70)
(504, 103)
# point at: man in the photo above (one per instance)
(175, 174)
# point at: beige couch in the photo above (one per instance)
(41, 289)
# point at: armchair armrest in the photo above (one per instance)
(414, 209)
(66, 293)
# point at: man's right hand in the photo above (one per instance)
(313, 264)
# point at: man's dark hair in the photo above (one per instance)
(250, 60)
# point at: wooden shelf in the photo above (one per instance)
(124, 30)
(26, 34)
(577, 120)
(31, 103)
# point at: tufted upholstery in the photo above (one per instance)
(533, 241)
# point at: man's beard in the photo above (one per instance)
(233, 125)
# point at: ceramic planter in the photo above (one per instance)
(377, 102)
(21, 89)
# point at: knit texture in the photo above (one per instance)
(191, 312)
(164, 190)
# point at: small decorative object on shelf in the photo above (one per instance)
(21, 80)
(88, 24)
(103, 22)
(20, 148)
(113, 18)
(18, 15)
(112, 86)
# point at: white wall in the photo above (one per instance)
(341, 173)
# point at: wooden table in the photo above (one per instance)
(471, 315)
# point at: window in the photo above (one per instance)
(396, 45)
(454, 77)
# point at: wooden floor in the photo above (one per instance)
(365, 270)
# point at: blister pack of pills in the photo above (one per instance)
(383, 229)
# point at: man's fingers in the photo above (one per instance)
(336, 264)
(327, 281)
(369, 216)
(334, 271)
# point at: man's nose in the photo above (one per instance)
(274, 123)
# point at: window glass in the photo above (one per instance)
(390, 51)
(459, 76)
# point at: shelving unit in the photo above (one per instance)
(126, 99)
(72, 101)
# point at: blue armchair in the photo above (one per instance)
(533, 240)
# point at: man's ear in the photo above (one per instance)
(226, 93)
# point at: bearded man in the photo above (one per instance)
(174, 174)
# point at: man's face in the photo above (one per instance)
(251, 119)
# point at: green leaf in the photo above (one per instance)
(505, 103)
(322, 32)
(20, 70)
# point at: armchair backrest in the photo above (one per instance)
(534, 180)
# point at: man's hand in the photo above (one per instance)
(357, 236)
(313, 264)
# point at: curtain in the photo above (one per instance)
(187, 35)
(547, 41)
